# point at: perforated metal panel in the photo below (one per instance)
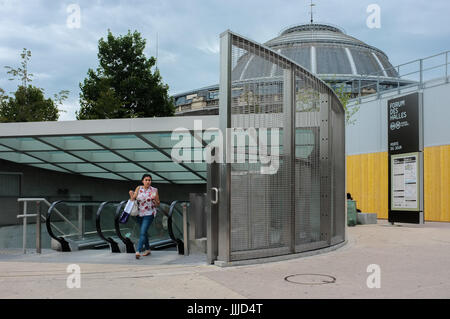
(288, 207)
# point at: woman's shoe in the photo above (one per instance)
(146, 253)
(138, 255)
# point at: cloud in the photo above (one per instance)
(188, 34)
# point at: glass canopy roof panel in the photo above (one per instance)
(56, 157)
(187, 155)
(3, 149)
(163, 166)
(83, 168)
(18, 157)
(105, 175)
(149, 155)
(198, 167)
(50, 167)
(71, 143)
(167, 141)
(137, 177)
(25, 144)
(98, 156)
(122, 167)
(175, 176)
(120, 141)
(198, 181)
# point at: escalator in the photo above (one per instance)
(94, 225)
(72, 224)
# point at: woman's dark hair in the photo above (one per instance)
(146, 175)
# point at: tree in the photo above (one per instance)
(124, 85)
(28, 103)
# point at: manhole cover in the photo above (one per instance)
(310, 279)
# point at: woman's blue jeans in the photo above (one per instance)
(144, 223)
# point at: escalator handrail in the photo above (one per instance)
(48, 224)
(169, 222)
(97, 221)
(116, 221)
(119, 211)
(60, 239)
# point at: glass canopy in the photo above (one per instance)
(122, 151)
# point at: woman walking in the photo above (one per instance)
(148, 199)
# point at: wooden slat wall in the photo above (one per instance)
(367, 181)
(437, 183)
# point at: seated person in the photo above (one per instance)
(349, 197)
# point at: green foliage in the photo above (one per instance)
(124, 85)
(21, 73)
(344, 97)
(28, 103)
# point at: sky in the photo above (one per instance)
(63, 34)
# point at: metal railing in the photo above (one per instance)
(415, 72)
(38, 216)
(182, 243)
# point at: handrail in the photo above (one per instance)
(418, 64)
(38, 200)
(114, 246)
(65, 247)
(127, 241)
(182, 245)
(48, 204)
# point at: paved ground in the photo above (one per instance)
(413, 262)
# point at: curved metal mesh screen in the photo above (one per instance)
(286, 155)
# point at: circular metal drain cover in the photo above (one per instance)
(310, 279)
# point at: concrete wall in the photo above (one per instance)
(369, 133)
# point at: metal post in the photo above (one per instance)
(185, 230)
(325, 171)
(80, 222)
(289, 146)
(421, 72)
(378, 87)
(24, 227)
(359, 88)
(38, 228)
(446, 67)
(224, 218)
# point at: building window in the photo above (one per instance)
(9, 185)
(214, 95)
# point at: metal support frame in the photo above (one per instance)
(185, 230)
(228, 41)
(325, 170)
(212, 222)
(25, 216)
(224, 249)
(289, 145)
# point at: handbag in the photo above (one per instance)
(134, 209)
(131, 208)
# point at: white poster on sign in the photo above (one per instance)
(404, 188)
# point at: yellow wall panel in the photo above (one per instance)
(367, 181)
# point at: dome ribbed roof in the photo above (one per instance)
(322, 49)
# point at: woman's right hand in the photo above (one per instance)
(131, 195)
